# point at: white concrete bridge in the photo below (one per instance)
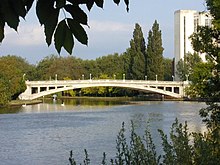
(36, 89)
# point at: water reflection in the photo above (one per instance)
(8, 110)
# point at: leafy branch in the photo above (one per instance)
(64, 31)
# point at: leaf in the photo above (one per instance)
(44, 8)
(78, 31)
(99, 3)
(63, 37)
(9, 15)
(68, 42)
(60, 3)
(28, 4)
(1, 33)
(19, 7)
(117, 1)
(50, 25)
(48, 16)
(127, 4)
(59, 36)
(89, 4)
(77, 13)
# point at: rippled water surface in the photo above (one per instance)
(45, 133)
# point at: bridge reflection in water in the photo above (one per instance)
(36, 89)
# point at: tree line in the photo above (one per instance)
(137, 62)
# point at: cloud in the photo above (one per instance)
(109, 26)
(27, 35)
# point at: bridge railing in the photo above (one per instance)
(104, 81)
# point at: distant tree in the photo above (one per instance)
(168, 69)
(92, 68)
(136, 53)
(186, 66)
(63, 67)
(13, 73)
(111, 65)
(62, 29)
(154, 54)
(5, 94)
(202, 72)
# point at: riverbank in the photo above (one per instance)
(14, 103)
(142, 98)
(130, 100)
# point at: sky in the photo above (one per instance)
(110, 29)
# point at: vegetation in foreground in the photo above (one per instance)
(180, 147)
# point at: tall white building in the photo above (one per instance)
(185, 24)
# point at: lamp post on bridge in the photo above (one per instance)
(156, 77)
(187, 77)
(145, 77)
(24, 77)
(56, 77)
(173, 77)
(114, 76)
(82, 76)
(90, 76)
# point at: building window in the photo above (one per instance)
(196, 22)
(208, 22)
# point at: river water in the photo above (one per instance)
(44, 134)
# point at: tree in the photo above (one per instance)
(154, 54)
(185, 67)
(13, 72)
(207, 40)
(136, 53)
(168, 69)
(61, 66)
(4, 92)
(111, 65)
(200, 76)
(48, 12)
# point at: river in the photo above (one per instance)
(44, 134)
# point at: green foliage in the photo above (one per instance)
(63, 30)
(168, 69)
(4, 92)
(62, 66)
(214, 8)
(154, 54)
(207, 40)
(139, 150)
(86, 161)
(13, 72)
(202, 72)
(186, 67)
(135, 55)
(182, 147)
(111, 65)
(63, 37)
